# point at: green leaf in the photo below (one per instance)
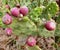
(35, 48)
(24, 27)
(57, 32)
(58, 19)
(51, 9)
(44, 32)
(34, 14)
(12, 3)
(1, 14)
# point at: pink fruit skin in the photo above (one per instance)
(50, 25)
(7, 19)
(15, 11)
(8, 31)
(31, 41)
(7, 6)
(24, 10)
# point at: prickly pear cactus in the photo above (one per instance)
(29, 18)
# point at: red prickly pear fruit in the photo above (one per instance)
(24, 10)
(50, 25)
(7, 19)
(8, 31)
(31, 41)
(15, 11)
(7, 6)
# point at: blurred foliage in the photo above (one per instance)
(57, 32)
(35, 48)
(58, 19)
